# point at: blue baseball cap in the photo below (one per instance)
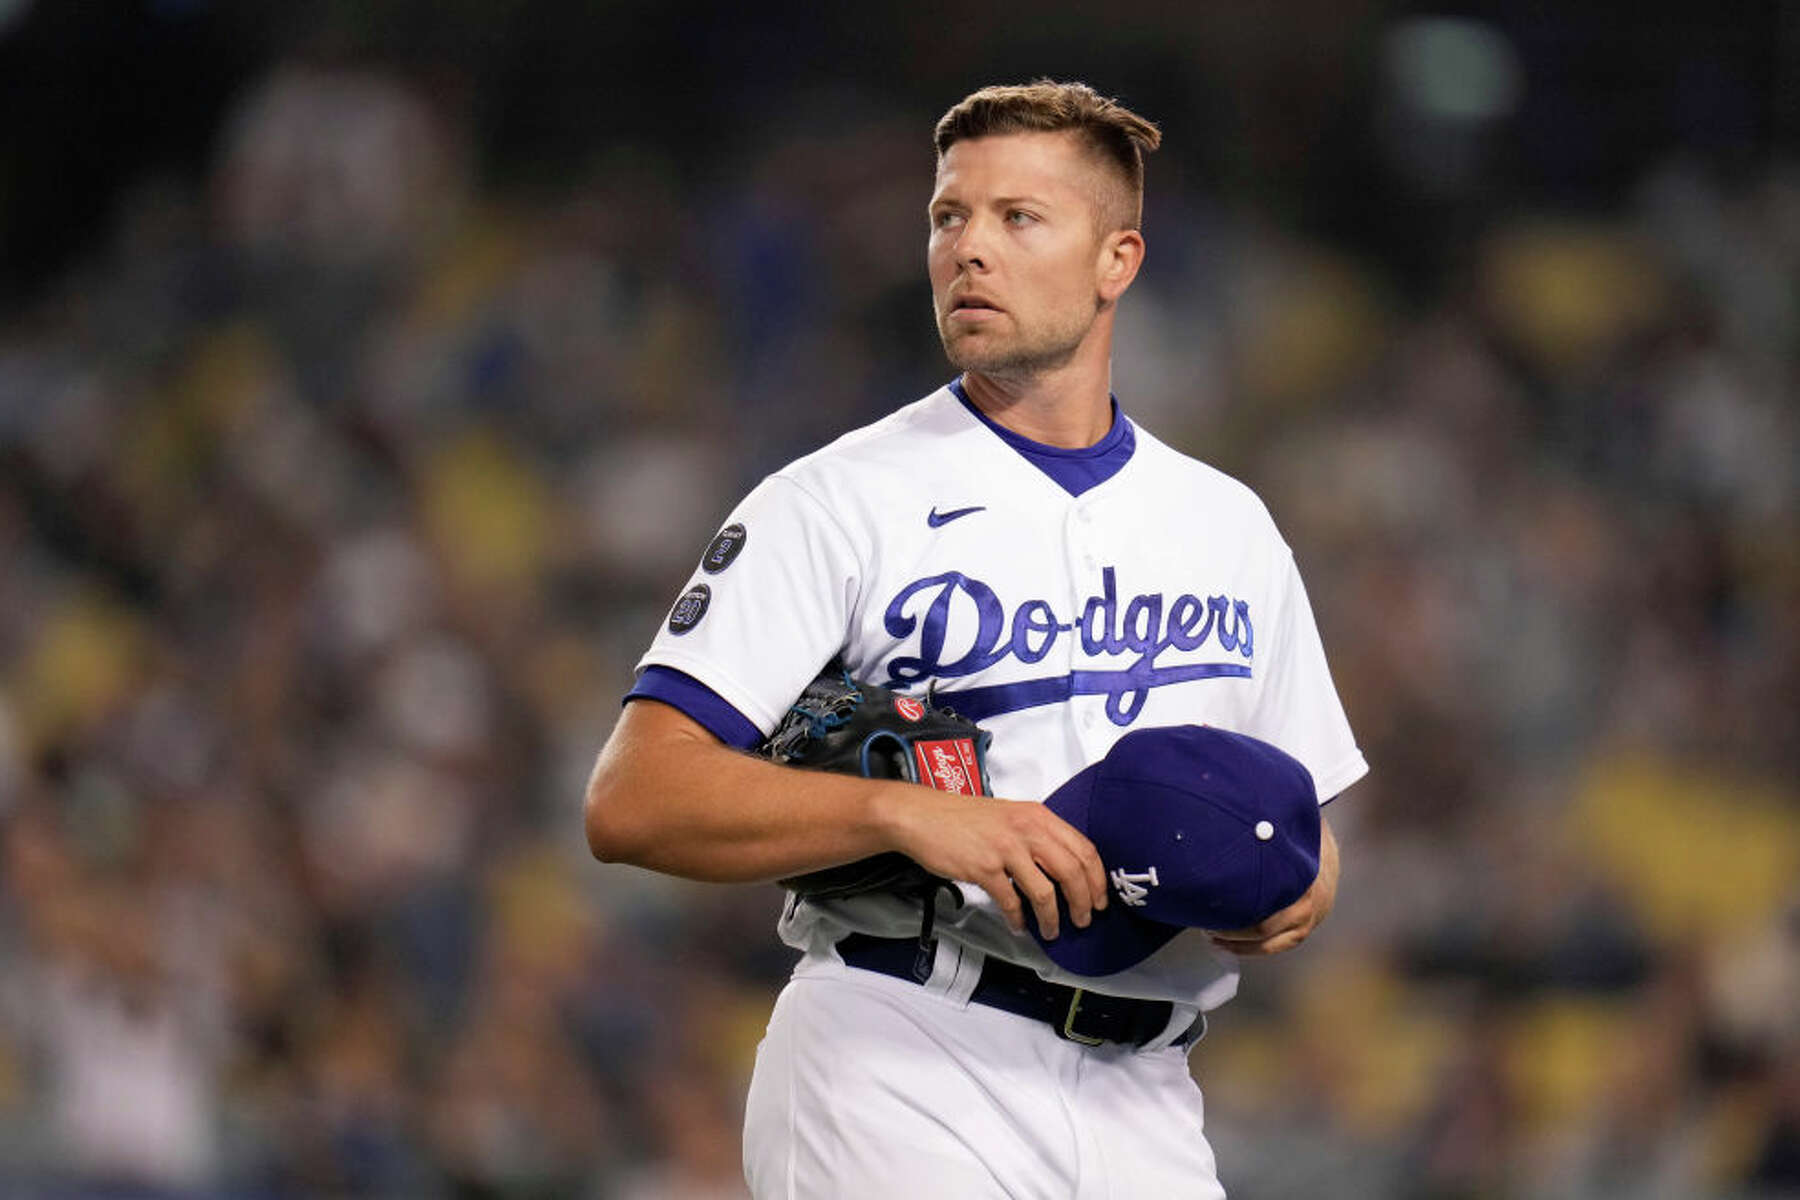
(1198, 828)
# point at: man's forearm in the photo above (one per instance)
(667, 796)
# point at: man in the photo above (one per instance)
(1014, 542)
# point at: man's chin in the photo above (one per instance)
(966, 358)
(979, 352)
(1001, 362)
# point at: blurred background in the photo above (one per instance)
(372, 375)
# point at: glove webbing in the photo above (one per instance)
(821, 719)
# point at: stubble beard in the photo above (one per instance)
(1016, 359)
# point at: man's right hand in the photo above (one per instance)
(1015, 851)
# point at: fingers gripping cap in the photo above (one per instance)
(1198, 828)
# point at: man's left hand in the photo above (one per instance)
(1289, 927)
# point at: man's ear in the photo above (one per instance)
(1121, 254)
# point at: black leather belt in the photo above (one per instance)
(1074, 1013)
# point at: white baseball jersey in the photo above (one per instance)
(933, 548)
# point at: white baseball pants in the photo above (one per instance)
(870, 1087)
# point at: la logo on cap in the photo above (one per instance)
(1133, 887)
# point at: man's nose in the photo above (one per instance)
(972, 245)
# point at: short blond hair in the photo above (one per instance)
(1117, 137)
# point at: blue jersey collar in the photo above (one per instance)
(1075, 471)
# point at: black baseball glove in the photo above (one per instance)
(854, 728)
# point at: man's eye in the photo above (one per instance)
(1019, 216)
(942, 219)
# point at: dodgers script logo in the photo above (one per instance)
(1140, 630)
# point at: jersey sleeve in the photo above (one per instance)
(757, 629)
(698, 702)
(1297, 706)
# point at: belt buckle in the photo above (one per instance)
(1068, 1024)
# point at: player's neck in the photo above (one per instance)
(1070, 408)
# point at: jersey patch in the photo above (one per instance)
(949, 765)
(689, 609)
(724, 549)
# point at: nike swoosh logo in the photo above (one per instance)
(934, 518)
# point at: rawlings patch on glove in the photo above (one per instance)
(854, 728)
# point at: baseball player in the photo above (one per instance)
(1015, 545)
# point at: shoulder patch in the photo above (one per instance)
(689, 609)
(724, 549)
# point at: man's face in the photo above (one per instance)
(1016, 251)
